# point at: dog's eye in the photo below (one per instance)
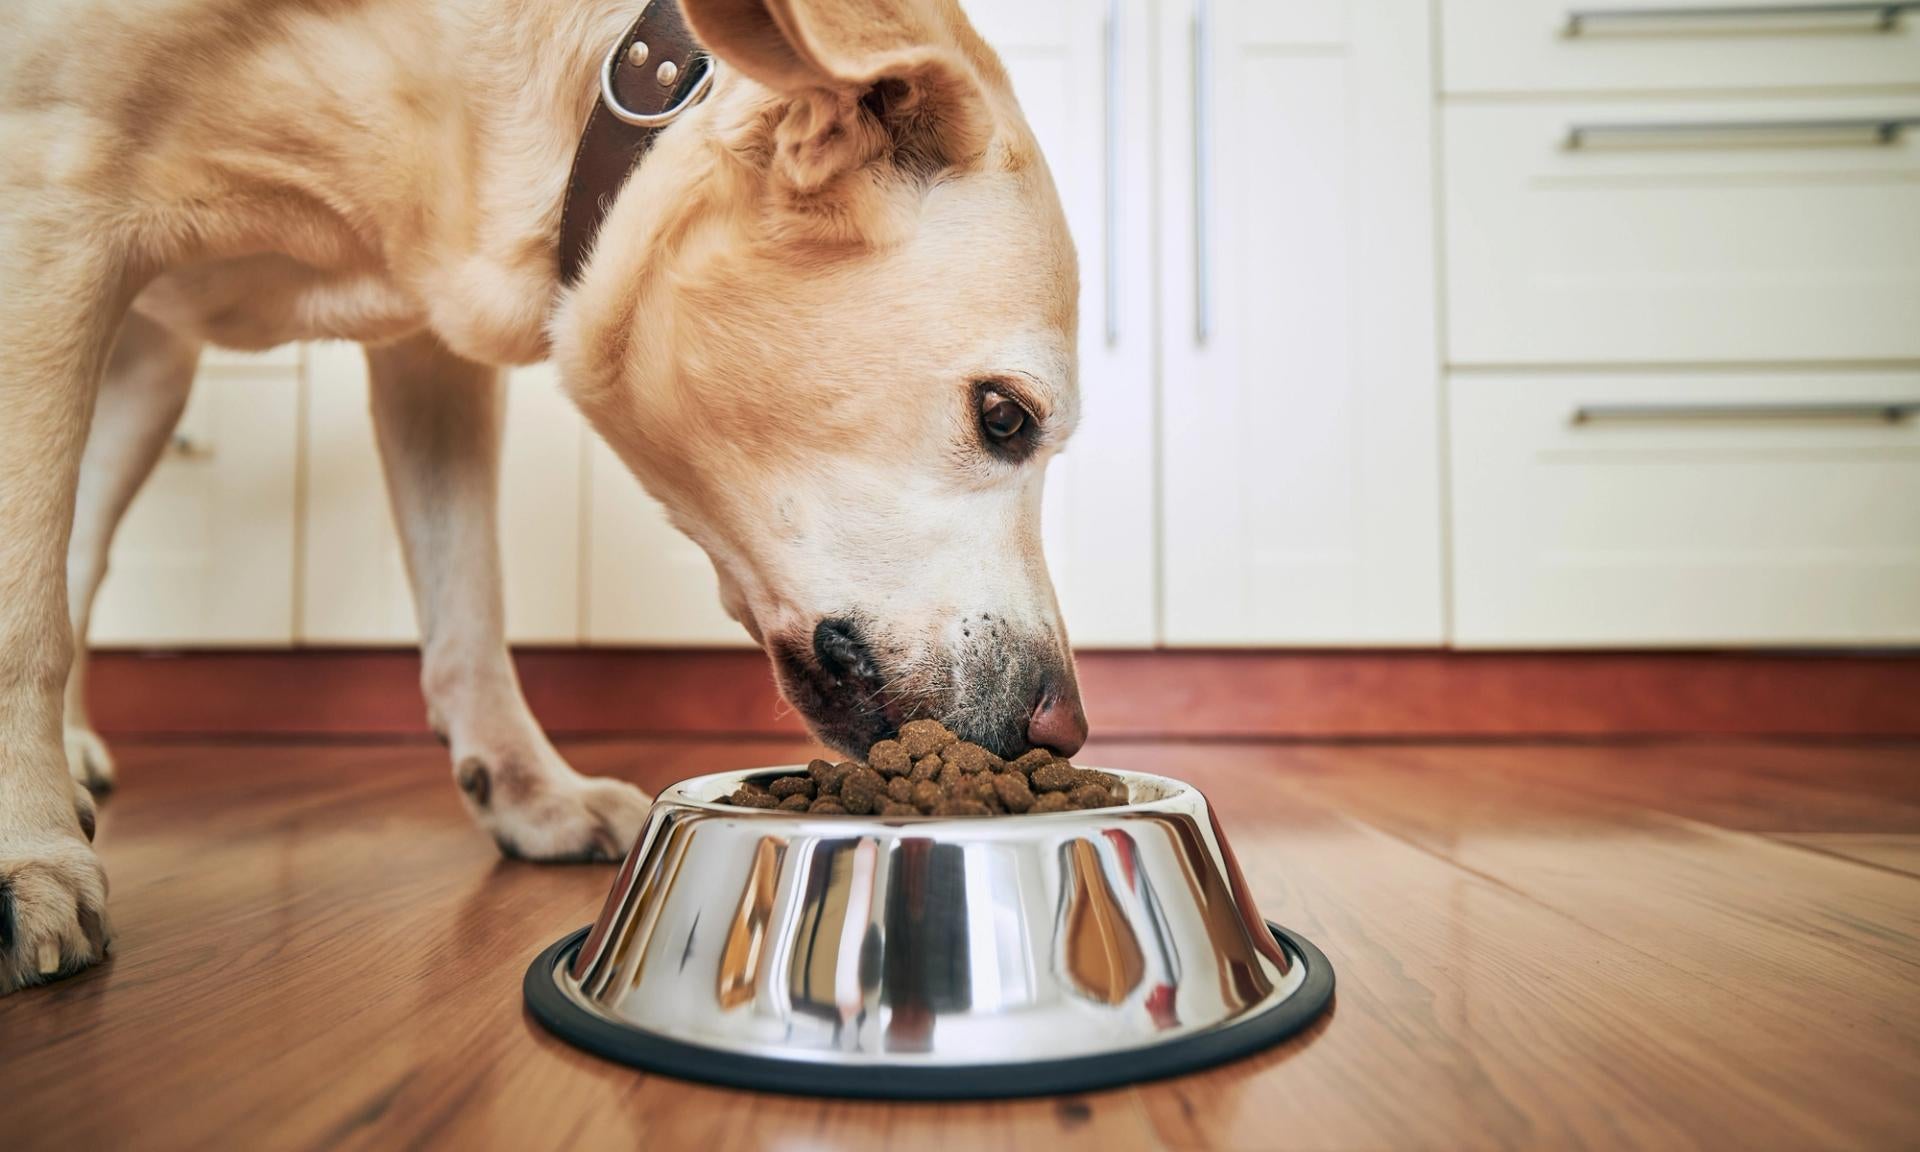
(1002, 418)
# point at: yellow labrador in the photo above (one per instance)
(829, 321)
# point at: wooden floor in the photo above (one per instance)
(1629, 946)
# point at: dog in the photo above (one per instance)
(829, 321)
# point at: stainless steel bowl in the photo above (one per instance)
(927, 957)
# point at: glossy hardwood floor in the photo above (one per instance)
(1662, 945)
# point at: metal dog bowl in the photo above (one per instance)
(924, 957)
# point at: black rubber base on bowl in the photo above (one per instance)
(657, 1053)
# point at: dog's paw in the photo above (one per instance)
(53, 908)
(552, 815)
(88, 761)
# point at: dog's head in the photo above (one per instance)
(830, 324)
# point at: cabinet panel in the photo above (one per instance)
(543, 509)
(646, 583)
(1298, 408)
(1500, 46)
(1082, 76)
(1682, 232)
(205, 555)
(354, 578)
(1711, 508)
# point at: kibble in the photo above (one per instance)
(789, 786)
(751, 795)
(1057, 776)
(1014, 794)
(890, 758)
(971, 758)
(1088, 796)
(862, 790)
(924, 737)
(1032, 761)
(928, 770)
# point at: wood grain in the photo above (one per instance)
(1644, 945)
(1130, 695)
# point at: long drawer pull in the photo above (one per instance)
(1202, 176)
(1885, 16)
(1115, 140)
(1876, 411)
(1860, 132)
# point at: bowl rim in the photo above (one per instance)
(1176, 795)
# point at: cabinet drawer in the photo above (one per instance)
(1704, 509)
(1733, 232)
(1494, 46)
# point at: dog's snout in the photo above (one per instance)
(841, 651)
(856, 683)
(1058, 722)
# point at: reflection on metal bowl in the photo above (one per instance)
(922, 957)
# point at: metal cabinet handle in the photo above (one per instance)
(1885, 14)
(1877, 411)
(1862, 132)
(1115, 142)
(184, 445)
(1202, 176)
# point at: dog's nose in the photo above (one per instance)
(1058, 721)
(841, 650)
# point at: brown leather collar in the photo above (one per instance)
(652, 74)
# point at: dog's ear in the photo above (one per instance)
(866, 78)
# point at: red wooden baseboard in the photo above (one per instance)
(1280, 694)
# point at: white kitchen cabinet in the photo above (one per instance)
(1300, 497)
(1509, 47)
(1667, 232)
(1711, 508)
(205, 555)
(354, 578)
(1683, 299)
(1081, 70)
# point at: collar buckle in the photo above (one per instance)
(695, 92)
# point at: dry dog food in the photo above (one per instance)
(928, 771)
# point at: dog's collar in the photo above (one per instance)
(654, 72)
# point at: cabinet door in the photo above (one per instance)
(1730, 506)
(354, 576)
(1080, 70)
(205, 555)
(1301, 498)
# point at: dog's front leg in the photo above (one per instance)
(438, 419)
(60, 301)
